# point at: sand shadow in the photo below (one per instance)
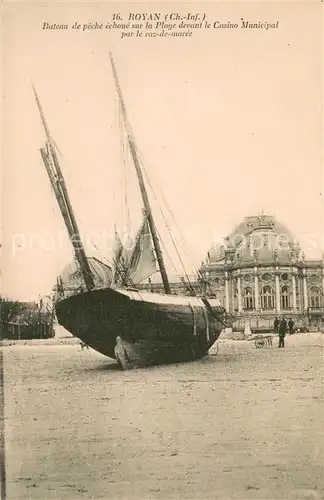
(110, 366)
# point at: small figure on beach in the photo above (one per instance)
(291, 326)
(282, 332)
(83, 346)
(276, 325)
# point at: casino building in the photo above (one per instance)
(260, 273)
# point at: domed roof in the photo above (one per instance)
(263, 247)
(258, 239)
(259, 222)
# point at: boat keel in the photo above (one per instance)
(141, 354)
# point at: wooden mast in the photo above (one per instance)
(54, 172)
(58, 196)
(139, 173)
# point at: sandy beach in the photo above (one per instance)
(246, 423)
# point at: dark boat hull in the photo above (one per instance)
(153, 328)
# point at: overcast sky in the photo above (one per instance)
(228, 121)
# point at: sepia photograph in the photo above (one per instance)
(162, 237)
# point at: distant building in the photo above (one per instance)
(260, 273)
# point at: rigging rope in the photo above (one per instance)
(184, 243)
(75, 215)
(169, 230)
(124, 151)
(103, 256)
(201, 277)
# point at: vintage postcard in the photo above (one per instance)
(162, 265)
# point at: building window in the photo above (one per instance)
(236, 299)
(267, 297)
(248, 298)
(285, 297)
(315, 297)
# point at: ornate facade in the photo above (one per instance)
(260, 273)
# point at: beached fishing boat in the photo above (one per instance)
(137, 327)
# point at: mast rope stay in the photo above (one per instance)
(203, 285)
(191, 288)
(142, 187)
(124, 150)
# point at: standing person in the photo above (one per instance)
(291, 326)
(276, 325)
(282, 332)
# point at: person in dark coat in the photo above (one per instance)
(276, 325)
(291, 326)
(282, 332)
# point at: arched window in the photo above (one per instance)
(267, 297)
(285, 297)
(219, 295)
(315, 297)
(248, 298)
